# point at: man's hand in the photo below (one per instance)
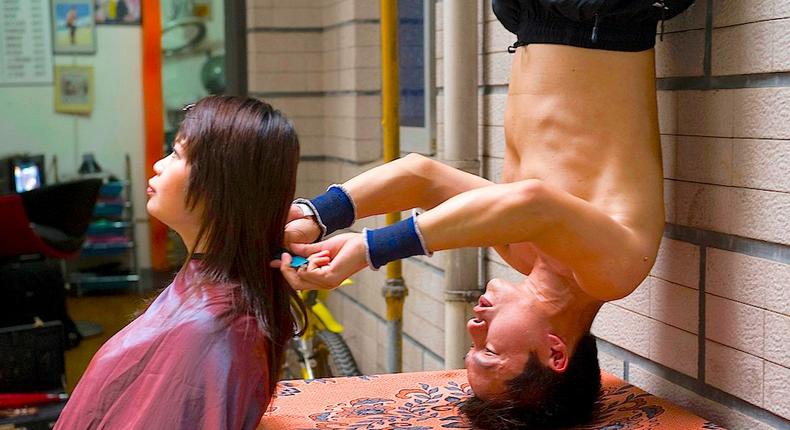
(330, 262)
(300, 229)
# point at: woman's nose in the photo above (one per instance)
(158, 166)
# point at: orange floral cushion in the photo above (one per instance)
(428, 400)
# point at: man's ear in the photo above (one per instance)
(558, 355)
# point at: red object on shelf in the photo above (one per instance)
(18, 400)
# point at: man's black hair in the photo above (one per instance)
(540, 397)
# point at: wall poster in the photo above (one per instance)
(26, 48)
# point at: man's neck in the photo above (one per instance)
(569, 310)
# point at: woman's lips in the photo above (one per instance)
(150, 191)
(483, 302)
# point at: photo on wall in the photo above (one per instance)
(74, 89)
(118, 12)
(73, 27)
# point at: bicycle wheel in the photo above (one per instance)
(333, 357)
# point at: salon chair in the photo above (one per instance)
(50, 221)
(38, 230)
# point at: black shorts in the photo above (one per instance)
(618, 25)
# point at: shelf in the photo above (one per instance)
(105, 249)
(109, 242)
(88, 281)
(108, 228)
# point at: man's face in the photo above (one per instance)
(505, 329)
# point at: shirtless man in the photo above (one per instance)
(580, 211)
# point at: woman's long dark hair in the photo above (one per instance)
(243, 156)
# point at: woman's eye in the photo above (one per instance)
(490, 352)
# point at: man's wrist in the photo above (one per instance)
(394, 242)
(307, 211)
(333, 210)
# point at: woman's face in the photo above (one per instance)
(167, 192)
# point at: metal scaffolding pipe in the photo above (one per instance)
(395, 290)
(460, 151)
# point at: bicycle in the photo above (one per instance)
(321, 351)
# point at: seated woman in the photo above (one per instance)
(580, 212)
(206, 353)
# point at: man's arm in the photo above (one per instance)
(607, 258)
(413, 181)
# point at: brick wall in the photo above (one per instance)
(710, 327)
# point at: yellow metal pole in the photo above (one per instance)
(395, 290)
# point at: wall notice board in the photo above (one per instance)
(25, 42)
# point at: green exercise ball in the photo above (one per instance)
(212, 74)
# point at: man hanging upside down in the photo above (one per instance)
(580, 211)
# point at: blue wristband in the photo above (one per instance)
(334, 210)
(396, 241)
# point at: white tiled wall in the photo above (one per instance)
(727, 169)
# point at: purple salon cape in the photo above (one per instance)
(177, 366)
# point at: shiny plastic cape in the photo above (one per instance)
(177, 366)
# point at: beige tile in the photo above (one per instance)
(297, 107)
(742, 49)
(412, 357)
(751, 280)
(670, 200)
(709, 207)
(496, 38)
(674, 304)
(704, 159)
(424, 332)
(677, 262)
(667, 111)
(761, 164)
(503, 271)
(495, 69)
(429, 362)
(777, 390)
(681, 54)
(735, 372)
(674, 348)
(492, 169)
(691, 18)
(430, 309)
(309, 126)
(611, 364)
(338, 12)
(777, 338)
(735, 325)
(639, 300)
(761, 113)
(781, 36)
(366, 9)
(494, 141)
(731, 12)
(493, 109)
(623, 328)
(425, 280)
(713, 411)
(706, 113)
(669, 155)
(762, 215)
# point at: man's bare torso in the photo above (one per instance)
(585, 121)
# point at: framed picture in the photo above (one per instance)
(118, 12)
(74, 89)
(73, 27)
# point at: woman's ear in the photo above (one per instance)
(558, 354)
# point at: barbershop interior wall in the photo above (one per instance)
(709, 328)
(29, 123)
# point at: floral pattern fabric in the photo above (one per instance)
(429, 400)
